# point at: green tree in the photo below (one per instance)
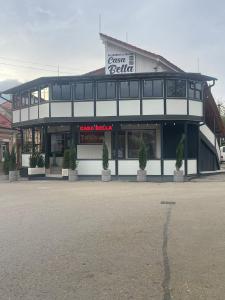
(6, 162)
(66, 159)
(180, 153)
(12, 159)
(73, 163)
(105, 157)
(142, 155)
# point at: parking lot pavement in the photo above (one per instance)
(117, 240)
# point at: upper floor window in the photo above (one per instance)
(153, 88)
(16, 101)
(61, 92)
(129, 89)
(106, 90)
(194, 90)
(44, 94)
(25, 99)
(83, 90)
(176, 88)
(34, 97)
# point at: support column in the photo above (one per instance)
(116, 151)
(198, 151)
(33, 139)
(46, 147)
(186, 148)
(162, 149)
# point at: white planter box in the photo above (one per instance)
(65, 172)
(36, 171)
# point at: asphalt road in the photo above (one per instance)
(106, 241)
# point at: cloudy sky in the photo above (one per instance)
(38, 35)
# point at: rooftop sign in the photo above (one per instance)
(120, 63)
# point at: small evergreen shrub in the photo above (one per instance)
(6, 162)
(33, 160)
(66, 159)
(180, 153)
(47, 161)
(105, 157)
(142, 156)
(40, 160)
(73, 163)
(12, 160)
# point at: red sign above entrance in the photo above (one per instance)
(96, 128)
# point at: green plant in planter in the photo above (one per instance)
(142, 155)
(66, 159)
(73, 163)
(12, 160)
(180, 153)
(33, 160)
(105, 157)
(40, 160)
(6, 162)
(47, 161)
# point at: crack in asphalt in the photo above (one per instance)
(166, 264)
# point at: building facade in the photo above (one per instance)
(138, 95)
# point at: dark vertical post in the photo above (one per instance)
(72, 132)
(186, 148)
(116, 150)
(198, 151)
(162, 149)
(33, 139)
(21, 139)
(45, 139)
(164, 95)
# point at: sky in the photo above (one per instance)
(42, 37)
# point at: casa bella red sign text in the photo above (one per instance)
(96, 128)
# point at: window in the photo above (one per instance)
(194, 90)
(91, 137)
(44, 94)
(106, 90)
(27, 141)
(153, 88)
(61, 92)
(120, 145)
(129, 89)
(59, 142)
(34, 97)
(83, 90)
(134, 138)
(176, 88)
(16, 101)
(38, 139)
(25, 99)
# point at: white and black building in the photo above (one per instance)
(137, 95)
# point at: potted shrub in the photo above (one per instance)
(13, 172)
(37, 165)
(66, 164)
(179, 174)
(106, 173)
(73, 175)
(6, 163)
(142, 156)
(47, 164)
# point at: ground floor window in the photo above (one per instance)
(91, 137)
(134, 139)
(59, 142)
(121, 145)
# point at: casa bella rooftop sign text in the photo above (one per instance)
(120, 63)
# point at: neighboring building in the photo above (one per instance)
(6, 132)
(137, 95)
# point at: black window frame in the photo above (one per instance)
(176, 88)
(194, 89)
(61, 96)
(16, 101)
(27, 102)
(83, 98)
(129, 89)
(106, 82)
(153, 96)
(38, 99)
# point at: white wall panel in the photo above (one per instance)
(153, 107)
(61, 109)
(44, 110)
(25, 160)
(130, 167)
(24, 114)
(169, 167)
(106, 108)
(34, 112)
(16, 116)
(129, 107)
(195, 108)
(153, 167)
(176, 107)
(93, 167)
(84, 109)
(192, 166)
